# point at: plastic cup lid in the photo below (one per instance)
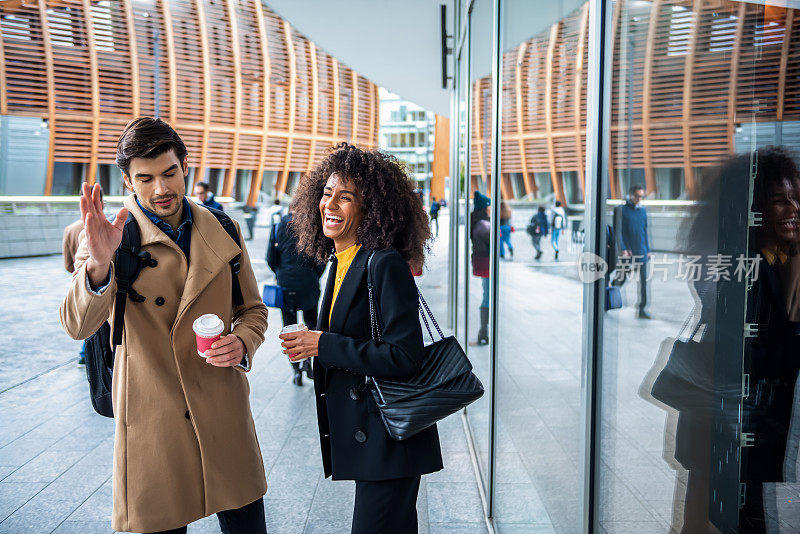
(292, 328)
(208, 325)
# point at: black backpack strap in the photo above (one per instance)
(127, 265)
(236, 266)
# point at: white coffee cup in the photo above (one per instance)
(208, 329)
(289, 328)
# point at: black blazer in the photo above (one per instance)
(355, 444)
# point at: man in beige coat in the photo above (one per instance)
(185, 444)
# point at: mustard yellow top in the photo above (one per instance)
(343, 261)
(772, 255)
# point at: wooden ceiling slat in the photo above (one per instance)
(264, 45)
(283, 179)
(166, 16)
(206, 61)
(51, 95)
(91, 175)
(237, 84)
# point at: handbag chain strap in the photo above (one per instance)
(373, 318)
(430, 314)
(697, 308)
(424, 309)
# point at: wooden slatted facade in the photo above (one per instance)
(686, 73)
(244, 89)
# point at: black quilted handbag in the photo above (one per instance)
(444, 384)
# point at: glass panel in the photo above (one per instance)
(537, 484)
(478, 219)
(462, 258)
(699, 426)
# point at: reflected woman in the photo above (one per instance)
(772, 361)
(353, 203)
(703, 368)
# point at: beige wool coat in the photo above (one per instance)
(185, 444)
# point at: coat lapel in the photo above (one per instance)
(322, 320)
(212, 249)
(350, 285)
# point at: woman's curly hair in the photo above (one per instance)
(394, 217)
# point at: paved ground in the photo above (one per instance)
(55, 452)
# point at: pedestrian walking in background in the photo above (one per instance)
(298, 276)
(357, 204)
(558, 220)
(538, 227)
(630, 225)
(480, 235)
(434, 212)
(203, 192)
(275, 212)
(185, 443)
(505, 229)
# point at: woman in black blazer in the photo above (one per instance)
(355, 203)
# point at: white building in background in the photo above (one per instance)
(406, 131)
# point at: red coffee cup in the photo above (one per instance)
(207, 328)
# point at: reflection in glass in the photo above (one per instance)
(697, 430)
(539, 301)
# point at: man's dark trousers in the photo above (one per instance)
(248, 519)
(639, 267)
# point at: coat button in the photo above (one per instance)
(361, 437)
(186, 415)
(160, 301)
(326, 435)
(354, 394)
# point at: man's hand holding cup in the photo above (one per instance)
(218, 350)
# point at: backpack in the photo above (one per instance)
(534, 229)
(128, 262)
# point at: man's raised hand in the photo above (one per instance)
(102, 236)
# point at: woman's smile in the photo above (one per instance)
(333, 221)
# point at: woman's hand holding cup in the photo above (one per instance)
(299, 342)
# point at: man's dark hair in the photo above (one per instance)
(204, 185)
(634, 188)
(147, 137)
(558, 203)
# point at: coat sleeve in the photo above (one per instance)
(401, 352)
(83, 311)
(250, 319)
(67, 250)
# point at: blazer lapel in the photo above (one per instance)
(212, 249)
(350, 285)
(322, 320)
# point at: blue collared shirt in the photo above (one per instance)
(184, 236)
